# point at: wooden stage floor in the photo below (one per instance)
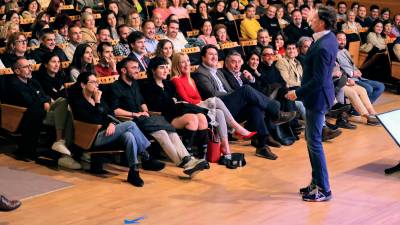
(263, 192)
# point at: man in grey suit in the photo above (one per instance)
(245, 103)
(374, 88)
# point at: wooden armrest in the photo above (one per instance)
(11, 116)
(97, 16)
(238, 17)
(107, 79)
(229, 45)
(142, 75)
(65, 64)
(35, 67)
(6, 71)
(192, 33)
(67, 7)
(248, 43)
(85, 134)
(191, 50)
(27, 21)
(193, 68)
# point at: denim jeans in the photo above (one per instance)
(374, 88)
(129, 134)
(314, 123)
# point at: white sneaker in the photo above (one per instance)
(60, 147)
(69, 163)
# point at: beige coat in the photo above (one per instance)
(291, 71)
(88, 36)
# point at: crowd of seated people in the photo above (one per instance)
(237, 90)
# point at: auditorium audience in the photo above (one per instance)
(177, 9)
(249, 25)
(122, 48)
(207, 33)
(150, 36)
(160, 96)
(351, 26)
(136, 42)
(200, 16)
(175, 36)
(88, 28)
(48, 44)
(270, 22)
(297, 28)
(109, 20)
(127, 101)
(31, 9)
(134, 21)
(88, 106)
(221, 34)
(241, 102)
(162, 9)
(187, 91)
(165, 49)
(16, 47)
(374, 88)
(81, 62)
(218, 14)
(106, 66)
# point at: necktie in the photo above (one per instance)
(144, 63)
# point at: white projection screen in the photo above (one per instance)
(391, 121)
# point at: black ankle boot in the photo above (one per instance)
(202, 142)
(134, 178)
(187, 139)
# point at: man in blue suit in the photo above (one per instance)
(318, 93)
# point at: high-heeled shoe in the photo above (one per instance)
(245, 137)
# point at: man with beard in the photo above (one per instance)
(298, 28)
(122, 48)
(175, 36)
(373, 88)
(270, 22)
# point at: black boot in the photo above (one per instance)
(187, 139)
(202, 142)
(134, 178)
(149, 163)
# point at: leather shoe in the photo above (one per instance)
(265, 152)
(328, 134)
(343, 123)
(8, 205)
(372, 120)
(338, 109)
(272, 142)
(134, 178)
(153, 165)
(284, 117)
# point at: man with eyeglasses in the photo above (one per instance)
(48, 44)
(16, 46)
(24, 91)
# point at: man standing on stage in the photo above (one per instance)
(318, 93)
